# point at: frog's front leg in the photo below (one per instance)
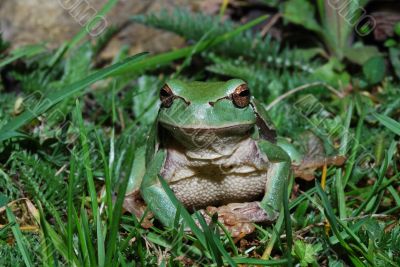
(153, 193)
(278, 173)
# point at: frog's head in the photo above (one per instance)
(206, 107)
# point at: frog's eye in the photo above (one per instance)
(241, 96)
(166, 96)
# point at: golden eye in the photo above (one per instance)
(241, 96)
(166, 96)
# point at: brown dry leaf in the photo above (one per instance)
(314, 158)
(25, 212)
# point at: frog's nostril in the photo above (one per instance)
(211, 103)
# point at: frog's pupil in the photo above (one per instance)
(164, 93)
(244, 93)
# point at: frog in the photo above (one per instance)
(217, 149)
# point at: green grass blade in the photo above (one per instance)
(390, 123)
(101, 252)
(84, 251)
(107, 178)
(99, 15)
(212, 247)
(86, 161)
(184, 213)
(117, 212)
(334, 223)
(88, 237)
(26, 51)
(19, 238)
(288, 222)
(70, 207)
(250, 261)
(51, 100)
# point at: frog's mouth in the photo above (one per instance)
(202, 137)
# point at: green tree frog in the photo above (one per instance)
(214, 145)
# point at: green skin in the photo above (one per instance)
(200, 107)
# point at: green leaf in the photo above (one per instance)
(374, 70)
(304, 252)
(301, 12)
(361, 54)
(397, 28)
(394, 54)
(332, 72)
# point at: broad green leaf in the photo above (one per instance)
(301, 12)
(394, 54)
(332, 73)
(374, 70)
(361, 55)
(397, 28)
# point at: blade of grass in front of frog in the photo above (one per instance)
(184, 213)
(211, 246)
(165, 58)
(275, 234)
(112, 236)
(43, 105)
(388, 122)
(21, 243)
(229, 238)
(283, 215)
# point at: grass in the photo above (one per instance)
(73, 147)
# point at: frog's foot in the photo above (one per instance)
(306, 170)
(238, 218)
(134, 203)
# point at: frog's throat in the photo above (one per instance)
(206, 143)
(201, 128)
